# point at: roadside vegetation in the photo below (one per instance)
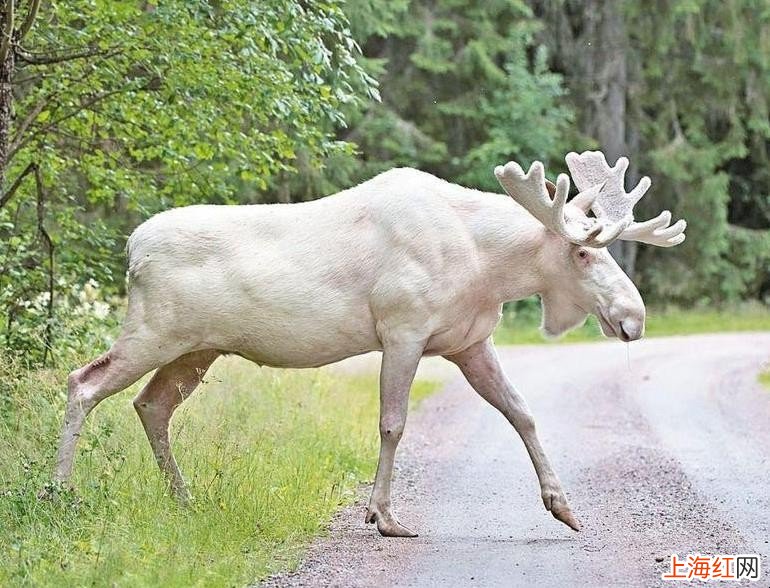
(764, 378)
(270, 456)
(522, 326)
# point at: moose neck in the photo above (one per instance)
(509, 241)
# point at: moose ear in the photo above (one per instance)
(551, 187)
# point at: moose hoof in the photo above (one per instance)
(557, 505)
(182, 497)
(388, 526)
(566, 517)
(47, 492)
(53, 490)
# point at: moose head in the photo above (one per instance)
(580, 276)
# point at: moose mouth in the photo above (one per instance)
(608, 327)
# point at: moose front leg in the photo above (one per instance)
(481, 367)
(399, 364)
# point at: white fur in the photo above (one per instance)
(402, 255)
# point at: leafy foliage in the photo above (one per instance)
(464, 87)
(166, 105)
(703, 119)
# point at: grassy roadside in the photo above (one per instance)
(764, 378)
(270, 456)
(660, 323)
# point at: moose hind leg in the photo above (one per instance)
(158, 400)
(88, 386)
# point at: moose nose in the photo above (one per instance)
(631, 329)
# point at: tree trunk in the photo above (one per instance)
(606, 70)
(589, 44)
(605, 74)
(6, 113)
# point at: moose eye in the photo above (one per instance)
(582, 253)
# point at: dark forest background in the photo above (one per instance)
(112, 111)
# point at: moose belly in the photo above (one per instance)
(293, 341)
(293, 354)
(464, 331)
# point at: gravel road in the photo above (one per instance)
(662, 446)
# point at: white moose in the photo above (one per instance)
(404, 263)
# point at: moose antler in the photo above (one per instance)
(590, 169)
(534, 192)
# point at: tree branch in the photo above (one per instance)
(5, 44)
(6, 198)
(15, 142)
(29, 20)
(48, 337)
(84, 106)
(28, 120)
(58, 57)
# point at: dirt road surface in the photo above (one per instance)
(662, 446)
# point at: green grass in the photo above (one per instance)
(660, 323)
(270, 456)
(764, 378)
